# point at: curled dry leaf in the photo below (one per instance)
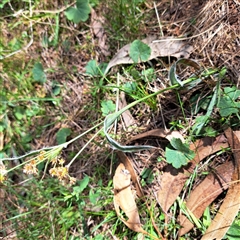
(231, 204)
(127, 163)
(124, 199)
(172, 180)
(161, 48)
(205, 193)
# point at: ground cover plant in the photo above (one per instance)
(119, 120)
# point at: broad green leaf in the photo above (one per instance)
(139, 51)
(178, 154)
(130, 87)
(93, 69)
(80, 13)
(62, 135)
(179, 145)
(15, 44)
(227, 104)
(38, 73)
(233, 232)
(173, 77)
(107, 107)
(210, 132)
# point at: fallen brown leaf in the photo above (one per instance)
(124, 199)
(231, 204)
(161, 48)
(205, 193)
(172, 180)
(127, 163)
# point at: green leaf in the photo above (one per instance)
(233, 232)
(227, 104)
(56, 90)
(94, 196)
(2, 126)
(38, 73)
(93, 69)
(147, 175)
(62, 135)
(82, 185)
(148, 75)
(178, 154)
(3, 2)
(146, 172)
(201, 121)
(80, 13)
(107, 107)
(210, 132)
(197, 103)
(139, 51)
(19, 112)
(130, 87)
(99, 237)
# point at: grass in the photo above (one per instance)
(66, 191)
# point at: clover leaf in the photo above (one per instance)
(80, 13)
(178, 153)
(139, 51)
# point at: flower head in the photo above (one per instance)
(30, 168)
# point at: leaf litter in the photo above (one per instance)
(231, 204)
(163, 48)
(205, 193)
(172, 182)
(124, 199)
